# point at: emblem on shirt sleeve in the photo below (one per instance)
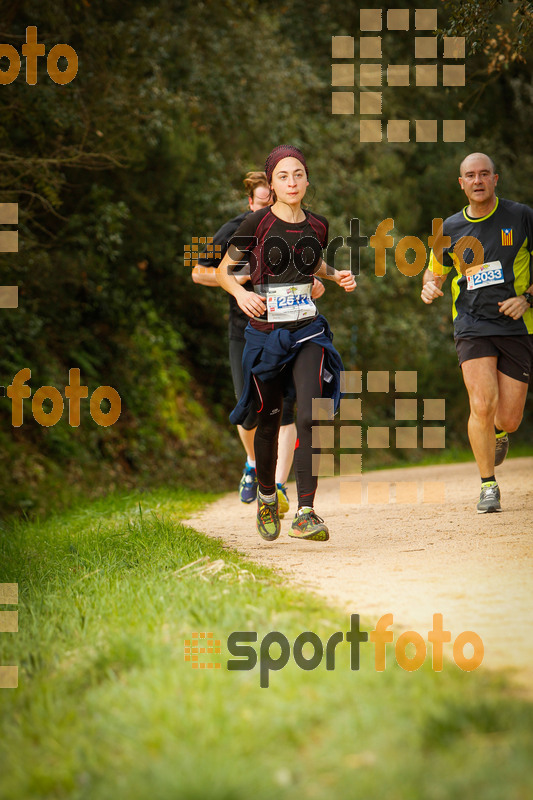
(507, 236)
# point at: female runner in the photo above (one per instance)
(287, 341)
(204, 272)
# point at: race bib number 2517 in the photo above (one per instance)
(289, 303)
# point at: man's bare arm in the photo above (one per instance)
(515, 307)
(207, 276)
(432, 286)
(251, 303)
(343, 277)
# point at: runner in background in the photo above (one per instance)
(205, 273)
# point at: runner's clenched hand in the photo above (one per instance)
(346, 280)
(430, 291)
(251, 303)
(514, 307)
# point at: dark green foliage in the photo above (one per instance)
(115, 172)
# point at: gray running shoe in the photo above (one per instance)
(489, 499)
(502, 446)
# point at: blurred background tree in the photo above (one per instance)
(147, 147)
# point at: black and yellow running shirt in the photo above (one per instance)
(503, 269)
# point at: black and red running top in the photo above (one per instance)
(281, 252)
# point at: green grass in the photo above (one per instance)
(427, 458)
(107, 707)
(453, 455)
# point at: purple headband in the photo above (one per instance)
(283, 151)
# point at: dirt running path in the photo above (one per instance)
(414, 559)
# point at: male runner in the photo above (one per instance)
(492, 312)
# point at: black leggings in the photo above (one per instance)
(307, 377)
(236, 348)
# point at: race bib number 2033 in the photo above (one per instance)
(488, 274)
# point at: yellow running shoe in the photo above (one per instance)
(283, 500)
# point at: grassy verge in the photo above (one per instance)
(428, 458)
(107, 707)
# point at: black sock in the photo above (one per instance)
(487, 480)
(497, 430)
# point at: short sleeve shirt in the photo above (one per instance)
(504, 251)
(281, 252)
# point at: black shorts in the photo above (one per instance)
(514, 353)
(236, 348)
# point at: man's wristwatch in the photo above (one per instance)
(529, 298)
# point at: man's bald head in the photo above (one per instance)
(478, 180)
(474, 157)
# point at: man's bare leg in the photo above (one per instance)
(247, 439)
(511, 401)
(481, 380)
(286, 444)
(248, 484)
